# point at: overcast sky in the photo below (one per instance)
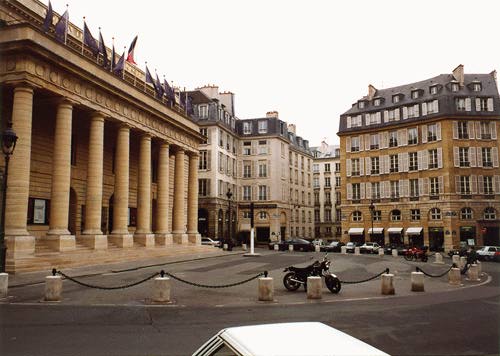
(308, 60)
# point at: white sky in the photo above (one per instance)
(309, 60)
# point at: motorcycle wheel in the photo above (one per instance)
(408, 257)
(424, 258)
(289, 284)
(333, 284)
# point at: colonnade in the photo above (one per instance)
(58, 236)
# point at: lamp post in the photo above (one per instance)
(372, 211)
(9, 139)
(229, 195)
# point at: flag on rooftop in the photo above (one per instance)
(102, 50)
(120, 66)
(169, 92)
(158, 87)
(89, 40)
(62, 27)
(130, 57)
(189, 104)
(47, 22)
(113, 56)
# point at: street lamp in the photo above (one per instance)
(9, 139)
(372, 212)
(229, 195)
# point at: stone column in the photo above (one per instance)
(163, 235)
(193, 234)
(58, 236)
(120, 235)
(92, 235)
(179, 227)
(143, 233)
(19, 242)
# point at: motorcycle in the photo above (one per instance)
(416, 253)
(297, 276)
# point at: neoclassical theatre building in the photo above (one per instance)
(100, 162)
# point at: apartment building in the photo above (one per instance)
(421, 163)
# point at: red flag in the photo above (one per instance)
(130, 57)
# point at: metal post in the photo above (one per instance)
(372, 211)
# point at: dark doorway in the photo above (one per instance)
(491, 237)
(262, 234)
(283, 233)
(378, 238)
(203, 222)
(416, 240)
(467, 235)
(359, 239)
(436, 239)
(396, 238)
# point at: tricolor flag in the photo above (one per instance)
(48, 18)
(130, 57)
(89, 40)
(102, 50)
(62, 27)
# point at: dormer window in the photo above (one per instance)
(433, 90)
(361, 104)
(455, 87)
(476, 86)
(396, 98)
(376, 102)
(415, 94)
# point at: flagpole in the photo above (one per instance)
(83, 33)
(124, 62)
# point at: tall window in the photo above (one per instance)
(393, 139)
(204, 132)
(262, 127)
(435, 214)
(415, 214)
(247, 169)
(355, 144)
(247, 192)
(465, 185)
(413, 161)
(315, 168)
(396, 215)
(487, 185)
(434, 186)
(394, 189)
(262, 192)
(394, 163)
(327, 167)
(466, 214)
(412, 136)
(375, 190)
(356, 191)
(203, 187)
(247, 148)
(316, 198)
(316, 216)
(433, 158)
(262, 170)
(357, 216)
(463, 154)
(355, 167)
(486, 154)
(414, 188)
(203, 163)
(490, 213)
(327, 182)
(463, 130)
(316, 182)
(337, 182)
(374, 141)
(460, 103)
(328, 215)
(263, 147)
(328, 199)
(247, 128)
(375, 165)
(432, 132)
(485, 130)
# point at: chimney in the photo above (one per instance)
(494, 74)
(291, 128)
(458, 74)
(371, 91)
(324, 146)
(272, 114)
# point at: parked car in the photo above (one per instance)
(489, 253)
(350, 247)
(460, 251)
(318, 242)
(402, 249)
(334, 246)
(298, 245)
(209, 241)
(256, 340)
(369, 247)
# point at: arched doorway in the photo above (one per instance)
(72, 212)
(203, 222)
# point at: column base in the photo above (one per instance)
(180, 238)
(122, 240)
(20, 246)
(147, 240)
(164, 239)
(61, 243)
(194, 238)
(96, 242)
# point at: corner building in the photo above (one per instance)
(100, 162)
(426, 156)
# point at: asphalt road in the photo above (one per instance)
(462, 321)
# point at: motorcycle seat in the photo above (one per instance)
(300, 269)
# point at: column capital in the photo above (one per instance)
(62, 101)
(193, 154)
(22, 85)
(146, 135)
(178, 149)
(98, 115)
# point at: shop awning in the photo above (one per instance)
(414, 231)
(356, 231)
(395, 230)
(376, 230)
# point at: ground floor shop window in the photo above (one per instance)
(436, 239)
(467, 235)
(396, 238)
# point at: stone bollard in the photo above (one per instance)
(225, 247)
(473, 272)
(276, 247)
(454, 277)
(244, 247)
(161, 290)
(439, 258)
(463, 262)
(316, 248)
(314, 286)
(417, 282)
(4, 285)
(53, 288)
(357, 251)
(388, 284)
(380, 251)
(455, 259)
(479, 268)
(290, 248)
(394, 252)
(343, 250)
(266, 289)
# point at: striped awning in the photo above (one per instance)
(395, 230)
(356, 231)
(376, 230)
(414, 230)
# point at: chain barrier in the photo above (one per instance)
(465, 269)
(54, 272)
(366, 280)
(214, 286)
(433, 275)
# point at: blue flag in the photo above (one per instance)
(113, 57)
(102, 50)
(62, 27)
(159, 88)
(169, 91)
(48, 18)
(89, 40)
(120, 66)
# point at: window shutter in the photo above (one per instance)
(254, 149)
(473, 184)
(440, 157)
(239, 170)
(400, 162)
(387, 164)
(478, 130)
(424, 133)
(268, 169)
(378, 117)
(268, 193)
(208, 187)
(481, 184)
(416, 109)
(387, 189)
(368, 189)
(455, 130)
(479, 154)
(348, 144)
(420, 160)
(362, 190)
(367, 142)
(470, 129)
(209, 160)
(425, 186)
(457, 185)
(348, 119)
(478, 104)
(361, 145)
(405, 138)
(420, 186)
(386, 115)
(456, 157)
(490, 104)
(382, 189)
(493, 130)
(349, 191)
(424, 109)
(436, 106)
(361, 167)
(467, 104)
(348, 167)
(405, 112)
(496, 180)
(425, 160)
(405, 162)
(472, 156)
(407, 187)
(368, 164)
(438, 131)
(384, 139)
(396, 114)
(494, 156)
(440, 185)
(367, 120)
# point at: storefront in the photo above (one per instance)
(357, 235)
(415, 236)
(436, 239)
(468, 235)
(490, 231)
(377, 235)
(395, 235)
